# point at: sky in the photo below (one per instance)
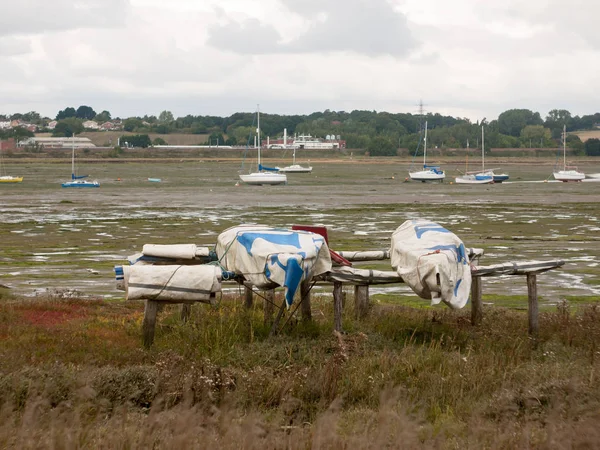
(463, 58)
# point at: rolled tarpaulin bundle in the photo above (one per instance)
(175, 251)
(174, 283)
(432, 261)
(268, 257)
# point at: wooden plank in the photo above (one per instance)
(149, 323)
(248, 295)
(186, 312)
(476, 301)
(338, 299)
(269, 306)
(275, 325)
(305, 300)
(533, 303)
(361, 300)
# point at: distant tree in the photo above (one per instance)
(16, 116)
(218, 139)
(85, 112)
(511, 122)
(136, 140)
(535, 136)
(382, 146)
(159, 141)
(161, 128)
(592, 147)
(231, 140)
(65, 113)
(68, 127)
(18, 133)
(102, 117)
(32, 117)
(166, 117)
(574, 142)
(132, 123)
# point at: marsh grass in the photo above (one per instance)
(73, 374)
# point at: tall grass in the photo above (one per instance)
(73, 373)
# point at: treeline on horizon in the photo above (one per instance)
(380, 133)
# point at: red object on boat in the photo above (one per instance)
(323, 232)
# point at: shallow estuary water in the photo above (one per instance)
(63, 240)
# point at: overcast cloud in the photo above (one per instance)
(465, 58)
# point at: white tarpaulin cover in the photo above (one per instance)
(172, 283)
(432, 261)
(267, 256)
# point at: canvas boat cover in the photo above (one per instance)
(432, 261)
(174, 283)
(268, 256)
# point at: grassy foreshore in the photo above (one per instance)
(74, 374)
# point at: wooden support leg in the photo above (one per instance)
(269, 306)
(305, 299)
(186, 312)
(278, 318)
(248, 295)
(149, 323)
(337, 306)
(533, 303)
(361, 300)
(476, 301)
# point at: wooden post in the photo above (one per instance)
(305, 300)
(533, 303)
(337, 305)
(476, 301)
(361, 300)
(248, 293)
(269, 306)
(149, 323)
(186, 312)
(278, 318)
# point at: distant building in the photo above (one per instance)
(52, 124)
(91, 125)
(5, 125)
(57, 142)
(107, 126)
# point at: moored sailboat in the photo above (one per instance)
(265, 175)
(4, 177)
(429, 173)
(568, 173)
(77, 181)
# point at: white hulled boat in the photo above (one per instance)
(78, 181)
(479, 177)
(265, 175)
(567, 173)
(429, 173)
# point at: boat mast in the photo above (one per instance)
(564, 147)
(482, 151)
(258, 132)
(425, 145)
(73, 156)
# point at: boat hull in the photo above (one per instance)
(10, 179)
(568, 175)
(474, 179)
(260, 178)
(81, 184)
(296, 168)
(427, 175)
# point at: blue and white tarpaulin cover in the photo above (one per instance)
(266, 256)
(432, 261)
(170, 283)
